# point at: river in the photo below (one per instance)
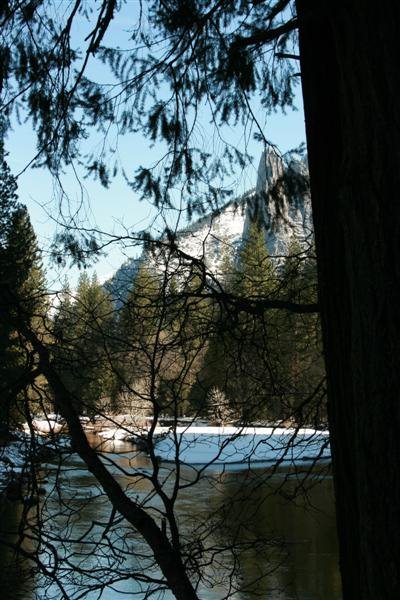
(277, 531)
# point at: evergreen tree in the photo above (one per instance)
(219, 54)
(152, 325)
(255, 275)
(253, 339)
(22, 297)
(83, 328)
(188, 333)
(8, 196)
(23, 272)
(139, 318)
(237, 365)
(63, 333)
(299, 345)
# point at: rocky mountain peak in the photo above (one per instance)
(285, 216)
(281, 203)
(270, 169)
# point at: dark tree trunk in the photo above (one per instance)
(350, 64)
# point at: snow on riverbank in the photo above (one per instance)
(234, 445)
(12, 458)
(198, 444)
(202, 445)
(21, 449)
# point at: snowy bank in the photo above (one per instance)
(118, 434)
(234, 445)
(50, 425)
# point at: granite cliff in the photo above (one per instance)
(280, 201)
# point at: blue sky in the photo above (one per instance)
(117, 209)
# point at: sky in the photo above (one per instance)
(117, 209)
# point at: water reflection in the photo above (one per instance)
(291, 547)
(282, 546)
(15, 575)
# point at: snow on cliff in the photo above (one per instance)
(213, 236)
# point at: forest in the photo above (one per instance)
(205, 355)
(243, 348)
(177, 346)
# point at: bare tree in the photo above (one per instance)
(158, 365)
(155, 351)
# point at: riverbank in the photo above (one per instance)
(17, 453)
(12, 463)
(187, 440)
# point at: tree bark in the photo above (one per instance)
(351, 80)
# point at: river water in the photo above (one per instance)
(274, 529)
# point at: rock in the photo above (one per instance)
(214, 235)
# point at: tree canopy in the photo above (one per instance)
(186, 59)
(23, 298)
(183, 64)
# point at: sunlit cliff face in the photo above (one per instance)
(218, 235)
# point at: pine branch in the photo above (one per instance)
(264, 36)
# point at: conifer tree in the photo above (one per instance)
(299, 348)
(146, 327)
(140, 313)
(83, 330)
(237, 365)
(24, 275)
(189, 331)
(252, 339)
(255, 274)
(22, 296)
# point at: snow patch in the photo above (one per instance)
(230, 445)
